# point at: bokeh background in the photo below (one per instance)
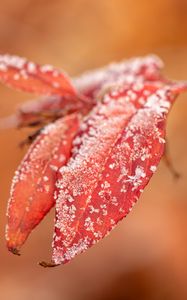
(145, 257)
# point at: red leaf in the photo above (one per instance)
(27, 76)
(115, 154)
(89, 85)
(33, 185)
(139, 69)
(50, 108)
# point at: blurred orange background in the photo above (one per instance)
(145, 257)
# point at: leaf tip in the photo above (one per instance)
(47, 265)
(14, 251)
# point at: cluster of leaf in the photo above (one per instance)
(99, 140)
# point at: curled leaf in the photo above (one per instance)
(34, 181)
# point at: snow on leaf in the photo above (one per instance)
(27, 76)
(88, 85)
(115, 154)
(94, 170)
(139, 69)
(33, 184)
(42, 111)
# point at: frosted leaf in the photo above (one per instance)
(33, 184)
(118, 134)
(96, 170)
(136, 70)
(24, 75)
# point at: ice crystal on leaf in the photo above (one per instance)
(100, 139)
